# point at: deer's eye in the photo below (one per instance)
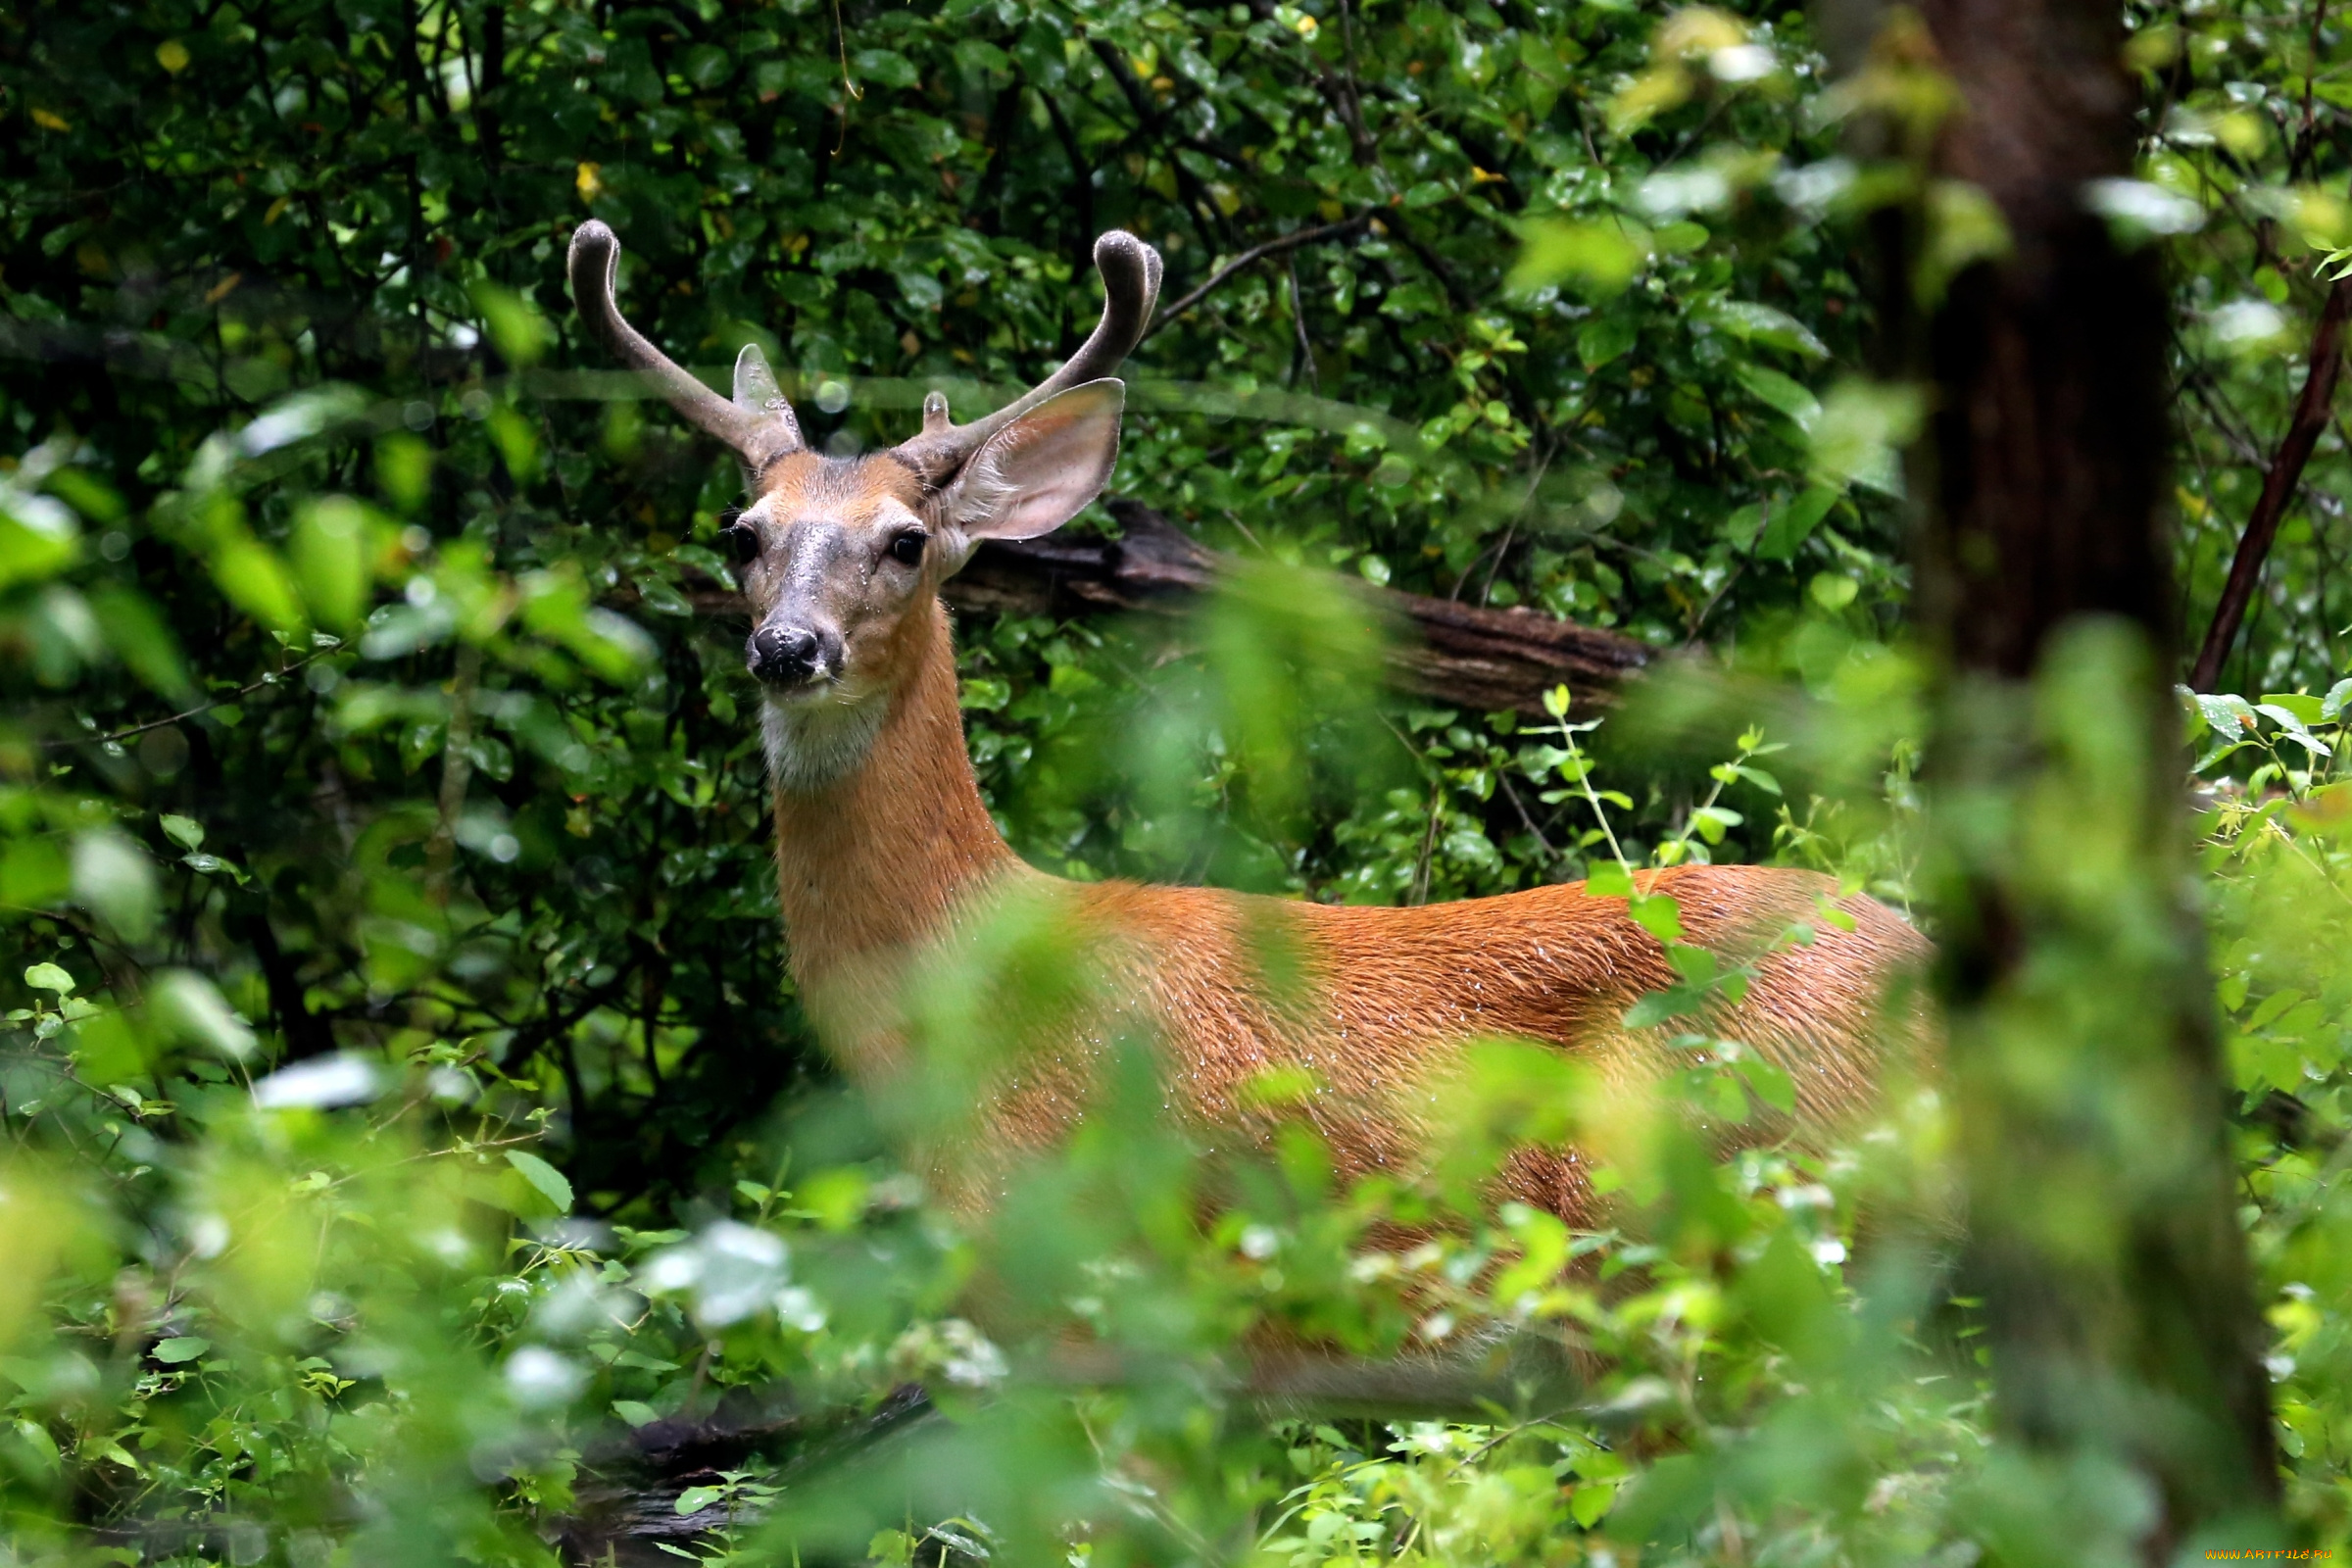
(907, 547)
(740, 539)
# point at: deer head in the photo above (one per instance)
(842, 557)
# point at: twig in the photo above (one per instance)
(1519, 806)
(1304, 236)
(2278, 486)
(271, 680)
(1428, 845)
(1306, 351)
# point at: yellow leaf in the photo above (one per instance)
(49, 121)
(1601, 257)
(278, 210)
(1648, 95)
(171, 55)
(589, 185)
(2324, 810)
(1697, 31)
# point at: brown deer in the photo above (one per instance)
(885, 851)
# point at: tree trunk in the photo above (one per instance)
(2084, 1066)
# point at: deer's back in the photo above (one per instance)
(1375, 1003)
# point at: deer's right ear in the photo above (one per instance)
(1040, 471)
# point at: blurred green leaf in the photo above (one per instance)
(49, 977)
(142, 640)
(549, 1181)
(332, 559)
(520, 332)
(1601, 257)
(114, 880)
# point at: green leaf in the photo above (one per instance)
(1963, 226)
(694, 1499)
(1782, 394)
(1751, 322)
(555, 606)
(2302, 708)
(331, 557)
(1658, 915)
(1791, 522)
(1681, 237)
(113, 878)
(2231, 718)
(33, 872)
(173, 1352)
(1658, 1007)
(39, 537)
(185, 831)
(1712, 821)
(86, 494)
(1862, 425)
(551, 1182)
(522, 334)
(885, 66)
(635, 1413)
(251, 576)
(517, 443)
(1600, 258)
(141, 639)
(1695, 964)
(190, 1007)
(2290, 722)
(1608, 879)
(1606, 338)
(1771, 1085)
(49, 977)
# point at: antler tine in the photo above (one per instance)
(1130, 272)
(759, 434)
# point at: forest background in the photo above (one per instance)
(414, 1149)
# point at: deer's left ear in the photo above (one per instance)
(1041, 469)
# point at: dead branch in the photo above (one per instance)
(1466, 656)
(2278, 486)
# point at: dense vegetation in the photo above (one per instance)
(404, 1103)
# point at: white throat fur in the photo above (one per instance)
(814, 745)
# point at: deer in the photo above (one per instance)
(887, 856)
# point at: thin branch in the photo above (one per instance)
(1272, 247)
(2278, 486)
(271, 680)
(1307, 349)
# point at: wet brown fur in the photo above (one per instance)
(898, 858)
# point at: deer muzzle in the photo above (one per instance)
(790, 657)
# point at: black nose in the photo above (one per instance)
(784, 655)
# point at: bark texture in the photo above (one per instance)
(2083, 1045)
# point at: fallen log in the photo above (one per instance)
(630, 1481)
(1468, 655)
(625, 1500)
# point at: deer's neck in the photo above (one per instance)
(876, 849)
